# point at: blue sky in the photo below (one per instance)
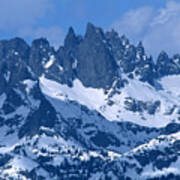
(155, 22)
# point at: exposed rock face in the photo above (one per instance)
(14, 49)
(39, 55)
(96, 65)
(124, 53)
(14, 56)
(132, 60)
(121, 127)
(167, 66)
(97, 59)
(44, 115)
(67, 57)
(71, 42)
(145, 67)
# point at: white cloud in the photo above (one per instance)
(55, 34)
(22, 18)
(18, 14)
(167, 14)
(164, 30)
(134, 22)
(157, 28)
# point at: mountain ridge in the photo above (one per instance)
(93, 109)
(116, 56)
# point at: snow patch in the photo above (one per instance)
(50, 62)
(60, 68)
(93, 98)
(7, 76)
(29, 84)
(163, 172)
(74, 65)
(96, 99)
(2, 99)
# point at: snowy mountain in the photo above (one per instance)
(97, 108)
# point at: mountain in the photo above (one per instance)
(97, 108)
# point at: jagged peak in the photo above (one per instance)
(112, 33)
(71, 31)
(14, 47)
(140, 48)
(126, 54)
(163, 56)
(14, 42)
(150, 58)
(176, 56)
(140, 44)
(71, 40)
(93, 31)
(41, 42)
(90, 26)
(70, 34)
(124, 39)
(17, 41)
(163, 53)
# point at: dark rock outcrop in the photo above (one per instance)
(96, 66)
(39, 55)
(14, 56)
(167, 66)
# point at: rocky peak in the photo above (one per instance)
(116, 44)
(176, 56)
(123, 52)
(94, 33)
(50, 131)
(162, 58)
(13, 49)
(66, 56)
(40, 54)
(66, 60)
(96, 59)
(124, 40)
(112, 34)
(14, 56)
(40, 43)
(167, 66)
(164, 64)
(176, 60)
(71, 41)
(146, 70)
(144, 65)
(140, 49)
(96, 66)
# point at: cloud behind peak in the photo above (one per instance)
(158, 28)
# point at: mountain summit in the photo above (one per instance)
(96, 108)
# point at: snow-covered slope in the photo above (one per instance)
(97, 108)
(137, 102)
(58, 126)
(49, 157)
